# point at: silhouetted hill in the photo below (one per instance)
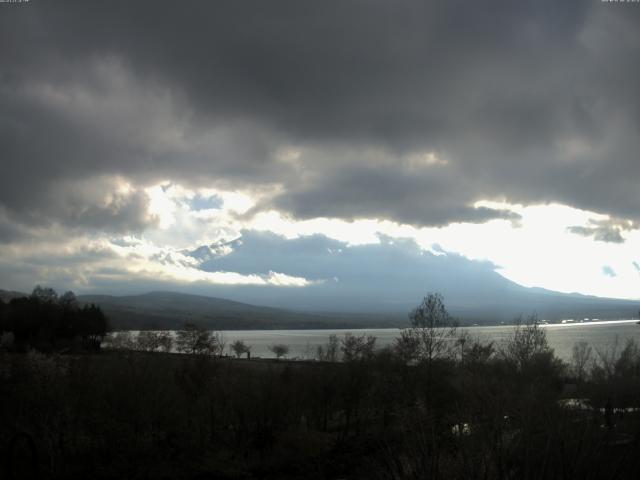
(500, 302)
(169, 310)
(548, 305)
(7, 295)
(475, 297)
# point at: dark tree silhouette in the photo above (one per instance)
(357, 347)
(197, 340)
(432, 331)
(240, 348)
(279, 350)
(48, 323)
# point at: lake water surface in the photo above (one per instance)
(303, 343)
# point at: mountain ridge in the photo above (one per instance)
(165, 309)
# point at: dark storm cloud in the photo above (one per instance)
(9, 231)
(125, 213)
(532, 102)
(389, 192)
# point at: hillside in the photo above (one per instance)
(7, 295)
(169, 310)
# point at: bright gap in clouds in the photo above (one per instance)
(538, 250)
(541, 251)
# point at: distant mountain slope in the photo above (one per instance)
(8, 295)
(169, 310)
(548, 305)
(502, 302)
(389, 277)
(474, 297)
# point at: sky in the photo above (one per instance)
(284, 145)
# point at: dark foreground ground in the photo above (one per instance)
(480, 414)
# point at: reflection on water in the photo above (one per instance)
(303, 343)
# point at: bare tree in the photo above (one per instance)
(462, 342)
(218, 344)
(407, 346)
(240, 348)
(581, 355)
(527, 341)
(120, 341)
(197, 340)
(477, 351)
(329, 352)
(190, 338)
(607, 357)
(432, 331)
(148, 341)
(279, 350)
(69, 300)
(165, 341)
(45, 294)
(357, 347)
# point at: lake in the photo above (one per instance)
(561, 337)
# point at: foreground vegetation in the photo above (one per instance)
(438, 404)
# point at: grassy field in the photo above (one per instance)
(482, 414)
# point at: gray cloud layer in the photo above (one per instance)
(609, 230)
(532, 102)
